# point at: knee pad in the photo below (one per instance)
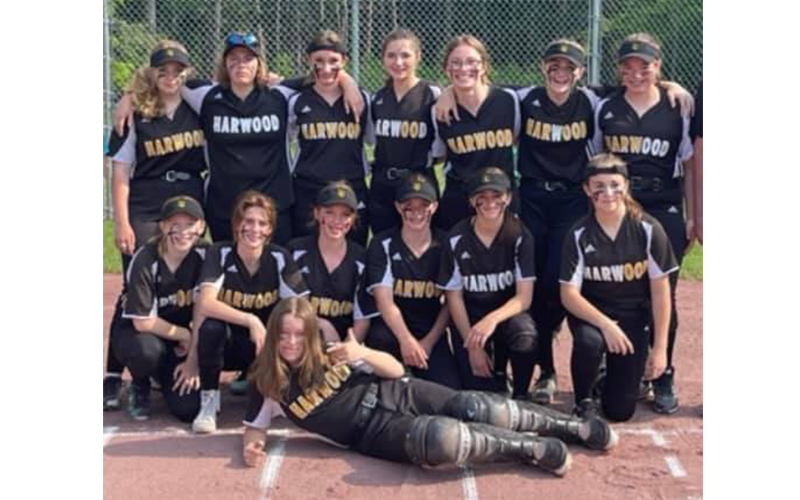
(521, 336)
(483, 407)
(435, 441)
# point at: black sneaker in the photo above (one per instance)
(139, 402)
(665, 400)
(551, 454)
(112, 386)
(544, 392)
(240, 385)
(587, 409)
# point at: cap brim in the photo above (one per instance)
(231, 47)
(565, 56)
(411, 196)
(645, 57)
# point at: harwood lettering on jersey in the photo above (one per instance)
(416, 289)
(330, 130)
(575, 131)
(241, 300)
(242, 125)
(636, 144)
(173, 143)
(478, 141)
(325, 306)
(629, 271)
(403, 129)
(318, 394)
(489, 282)
(181, 298)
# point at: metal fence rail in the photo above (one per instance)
(514, 31)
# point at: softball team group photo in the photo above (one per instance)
(298, 230)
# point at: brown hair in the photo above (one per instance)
(146, 99)
(475, 43)
(401, 34)
(608, 160)
(269, 373)
(644, 38)
(324, 37)
(247, 200)
(223, 78)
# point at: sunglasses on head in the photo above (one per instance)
(238, 39)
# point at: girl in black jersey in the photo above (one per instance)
(333, 267)
(239, 285)
(330, 141)
(402, 268)
(614, 285)
(151, 331)
(358, 397)
(487, 273)
(401, 116)
(653, 139)
(158, 157)
(484, 135)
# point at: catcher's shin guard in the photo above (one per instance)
(523, 416)
(436, 441)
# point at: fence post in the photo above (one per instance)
(106, 103)
(594, 41)
(354, 39)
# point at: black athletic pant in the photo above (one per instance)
(442, 367)
(454, 205)
(143, 230)
(669, 212)
(147, 355)
(305, 195)
(221, 228)
(549, 215)
(222, 346)
(624, 373)
(515, 340)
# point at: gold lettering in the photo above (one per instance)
(168, 145)
(636, 144)
(480, 140)
(330, 129)
(299, 412)
(237, 300)
(491, 141)
(469, 142)
(178, 142)
(413, 130)
(149, 150)
(629, 271)
(404, 129)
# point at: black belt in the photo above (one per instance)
(654, 184)
(367, 406)
(394, 174)
(175, 176)
(552, 186)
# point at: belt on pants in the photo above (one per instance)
(175, 176)
(367, 406)
(654, 184)
(552, 186)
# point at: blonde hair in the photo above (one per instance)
(146, 98)
(608, 160)
(247, 200)
(269, 373)
(475, 43)
(401, 34)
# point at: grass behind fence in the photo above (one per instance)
(692, 264)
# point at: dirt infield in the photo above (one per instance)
(658, 457)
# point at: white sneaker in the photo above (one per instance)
(206, 420)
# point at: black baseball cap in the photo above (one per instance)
(416, 186)
(160, 57)
(570, 51)
(489, 178)
(642, 50)
(181, 205)
(238, 39)
(337, 193)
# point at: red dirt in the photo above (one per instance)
(161, 459)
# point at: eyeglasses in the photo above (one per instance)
(237, 39)
(466, 64)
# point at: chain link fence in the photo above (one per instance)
(514, 31)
